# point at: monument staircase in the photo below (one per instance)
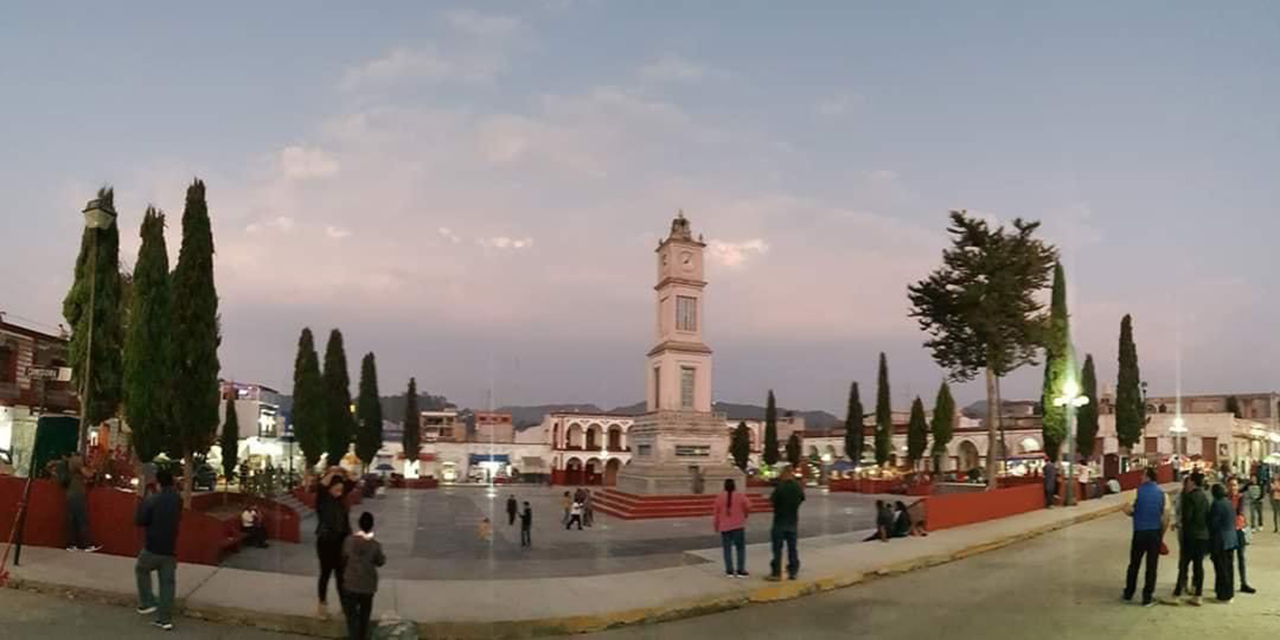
(631, 506)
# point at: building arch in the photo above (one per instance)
(611, 471)
(968, 454)
(574, 436)
(573, 473)
(595, 437)
(615, 438)
(1029, 445)
(594, 471)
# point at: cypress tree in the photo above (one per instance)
(412, 424)
(917, 433)
(308, 401)
(230, 441)
(944, 417)
(196, 336)
(1058, 367)
(368, 412)
(793, 450)
(1130, 411)
(339, 423)
(884, 414)
(740, 446)
(770, 431)
(1087, 416)
(853, 435)
(148, 350)
(105, 388)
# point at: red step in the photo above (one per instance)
(630, 506)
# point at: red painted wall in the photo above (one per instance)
(958, 509)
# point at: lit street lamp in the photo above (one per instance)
(98, 215)
(1072, 400)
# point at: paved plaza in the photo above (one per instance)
(432, 535)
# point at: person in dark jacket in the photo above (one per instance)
(1239, 502)
(512, 508)
(1193, 537)
(526, 526)
(1222, 542)
(1149, 521)
(786, 499)
(901, 521)
(361, 557)
(1050, 484)
(159, 514)
(333, 525)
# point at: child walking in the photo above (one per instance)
(362, 556)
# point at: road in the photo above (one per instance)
(1062, 585)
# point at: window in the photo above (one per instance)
(686, 313)
(657, 387)
(687, 377)
(8, 364)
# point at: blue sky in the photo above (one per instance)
(473, 190)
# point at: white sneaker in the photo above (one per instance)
(92, 548)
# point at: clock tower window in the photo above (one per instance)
(686, 313)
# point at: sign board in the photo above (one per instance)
(693, 450)
(44, 373)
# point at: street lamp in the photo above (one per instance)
(1072, 400)
(98, 215)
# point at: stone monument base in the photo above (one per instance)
(678, 453)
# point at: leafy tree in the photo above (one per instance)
(308, 401)
(196, 336)
(97, 285)
(770, 431)
(1233, 406)
(980, 308)
(1130, 408)
(368, 412)
(853, 436)
(740, 446)
(884, 414)
(917, 433)
(412, 425)
(793, 450)
(230, 442)
(1087, 416)
(944, 417)
(339, 423)
(148, 351)
(1058, 367)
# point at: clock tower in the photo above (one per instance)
(679, 446)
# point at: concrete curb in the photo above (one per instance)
(567, 625)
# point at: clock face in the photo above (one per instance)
(686, 260)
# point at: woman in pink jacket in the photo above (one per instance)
(730, 519)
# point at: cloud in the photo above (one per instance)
(404, 64)
(882, 175)
(485, 26)
(284, 224)
(674, 68)
(305, 163)
(448, 234)
(504, 242)
(735, 254)
(836, 105)
(337, 233)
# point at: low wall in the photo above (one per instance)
(950, 510)
(111, 513)
(869, 485)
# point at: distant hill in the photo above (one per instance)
(813, 419)
(392, 406)
(978, 410)
(525, 417)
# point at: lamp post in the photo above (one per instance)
(1072, 400)
(98, 215)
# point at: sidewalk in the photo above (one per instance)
(545, 606)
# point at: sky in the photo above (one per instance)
(473, 191)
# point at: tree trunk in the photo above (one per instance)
(187, 481)
(993, 421)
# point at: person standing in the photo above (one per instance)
(333, 525)
(1222, 542)
(1239, 505)
(786, 499)
(1193, 537)
(72, 476)
(567, 503)
(159, 514)
(512, 508)
(1149, 522)
(1050, 484)
(1256, 493)
(361, 557)
(588, 509)
(526, 526)
(729, 517)
(1275, 504)
(575, 516)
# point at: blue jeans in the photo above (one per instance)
(736, 539)
(778, 537)
(166, 567)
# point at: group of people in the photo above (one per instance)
(578, 509)
(351, 557)
(1208, 520)
(729, 518)
(526, 520)
(894, 520)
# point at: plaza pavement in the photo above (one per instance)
(523, 607)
